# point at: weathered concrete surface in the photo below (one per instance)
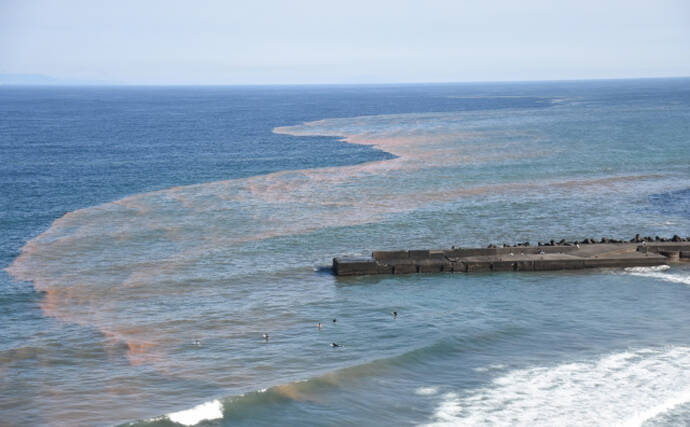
(566, 256)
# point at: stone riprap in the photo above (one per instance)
(605, 253)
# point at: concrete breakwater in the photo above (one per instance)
(562, 255)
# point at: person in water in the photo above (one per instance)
(318, 325)
(333, 320)
(266, 337)
(395, 314)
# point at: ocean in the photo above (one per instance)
(152, 235)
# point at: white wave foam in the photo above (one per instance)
(625, 388)
(488, 368)
(640, 417)
(426, 391)
(206, 411)
(449, 409)
(647, 269)
(659, 272)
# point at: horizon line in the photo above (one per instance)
(406, 83)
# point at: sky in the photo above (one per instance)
(169, 42)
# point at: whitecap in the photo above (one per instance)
(426, 391)
(647, 269)
(495, 367)
(204, 412)
(659, 272)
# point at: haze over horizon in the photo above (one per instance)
(303, 42)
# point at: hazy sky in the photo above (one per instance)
(348, 41)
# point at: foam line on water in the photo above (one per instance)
(626, 388)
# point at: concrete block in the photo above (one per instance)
(354, 266)
(525, 265)
(384, 256)
(475, 266)
(504, 266)
(622, 262)
(557, 264)
(453, 253)
(556, 249)
(384, 269)
(431, 268)
(419, 254)
(435, 265)
(404, 268)
(671, 247)
(673, 256)
(459, 267)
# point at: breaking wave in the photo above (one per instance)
(660, 272)
(203, 412)
(625, 389)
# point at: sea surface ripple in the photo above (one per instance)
(144, 268)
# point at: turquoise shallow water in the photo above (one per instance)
(199, 219)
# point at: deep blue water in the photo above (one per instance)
(572, 159)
